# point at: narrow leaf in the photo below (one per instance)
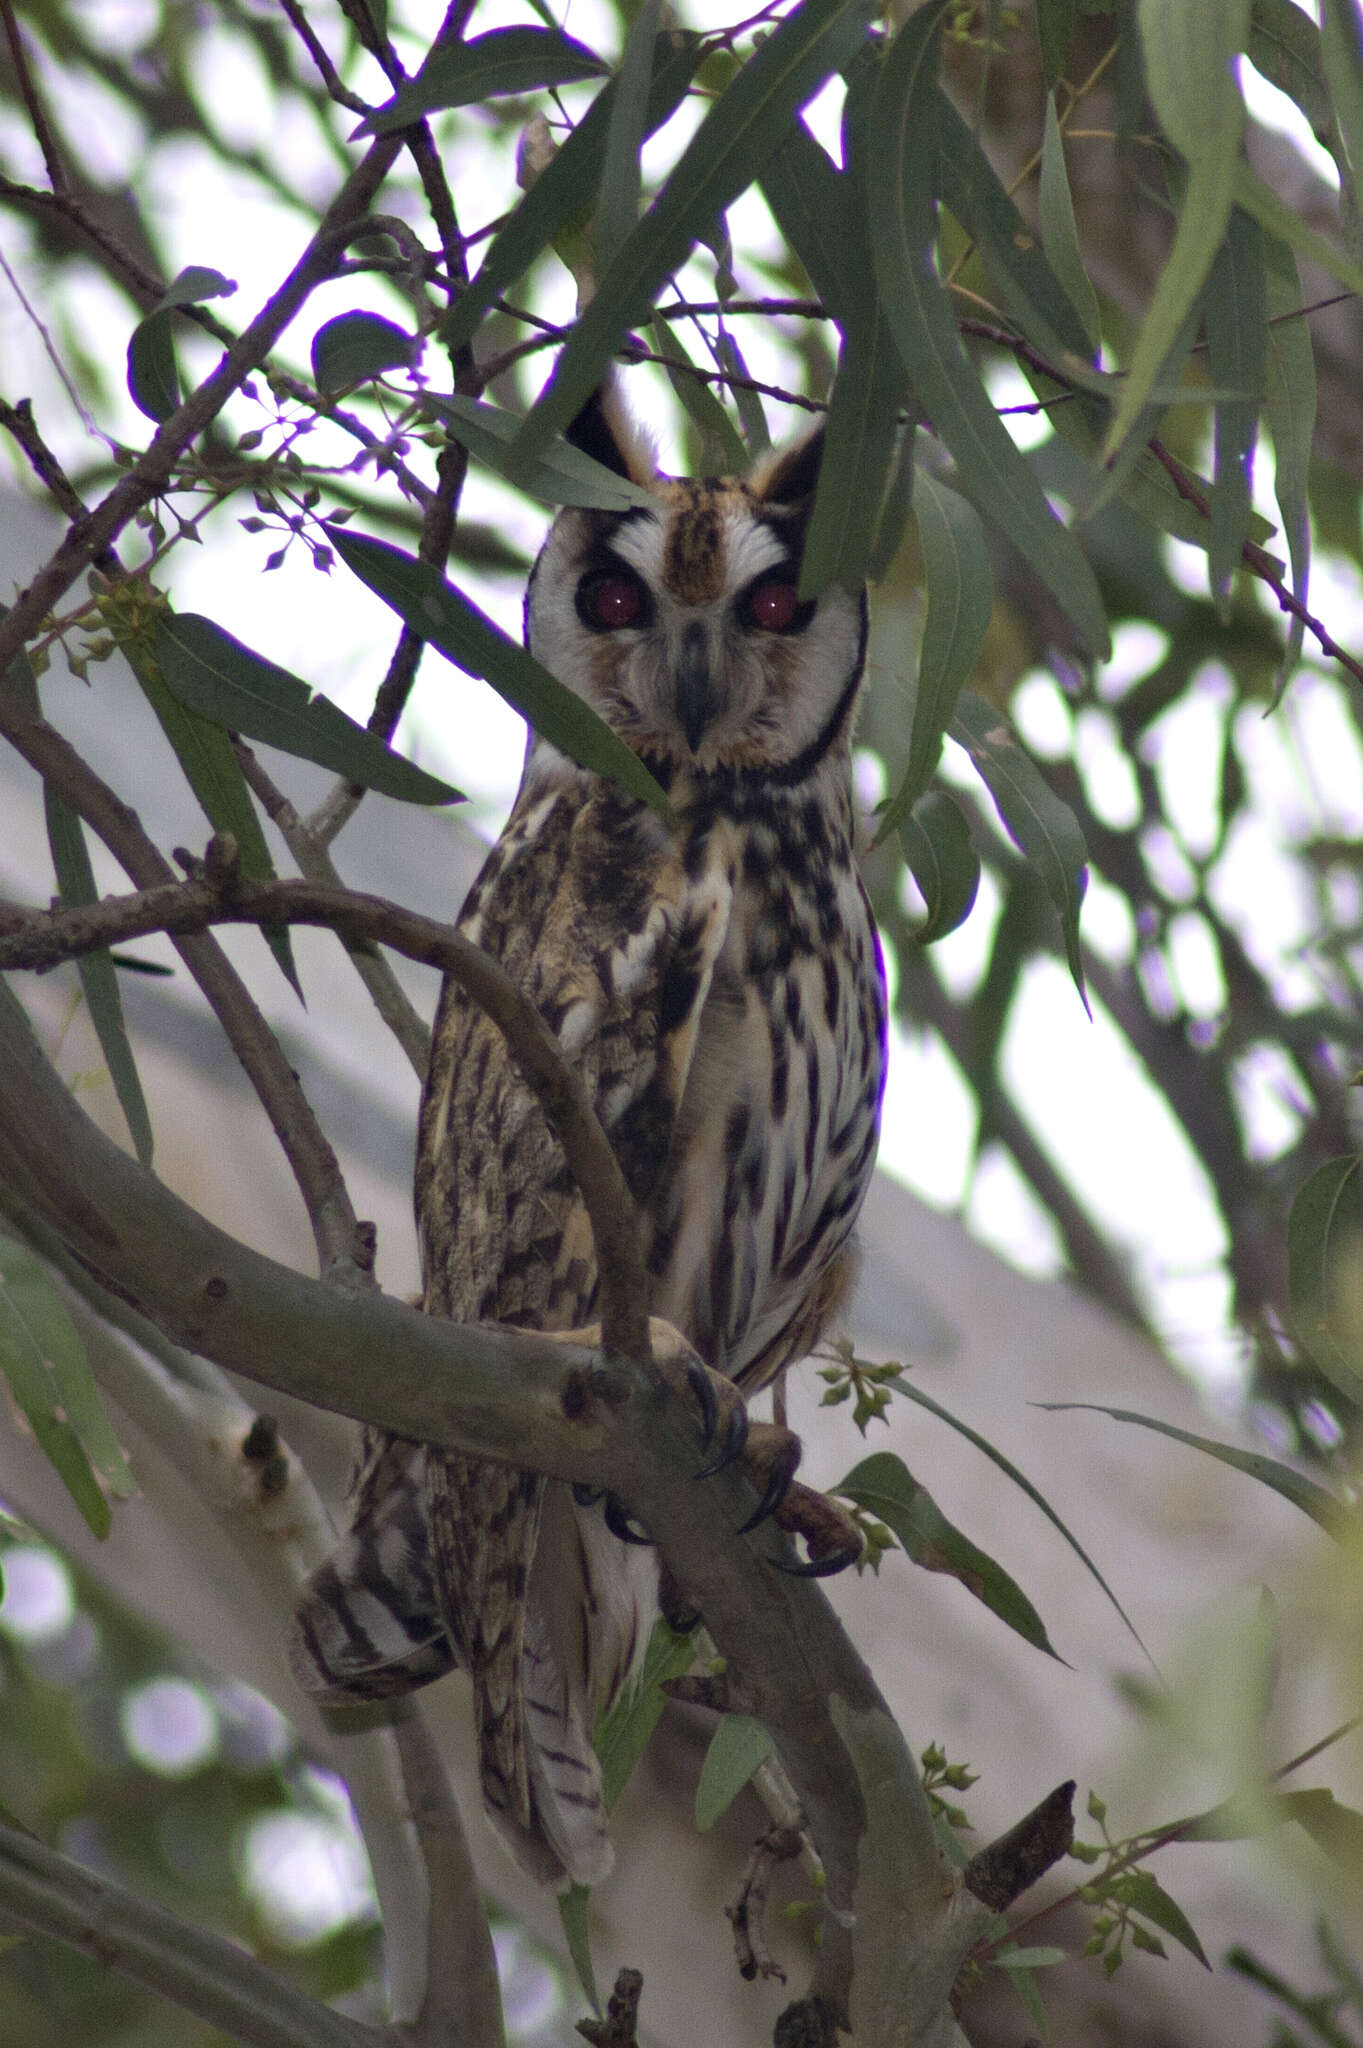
(883, 1485)
(213, 772)
(462, 74)
(574, 1909)
(622, 1734)
(1054, 28)
(564, 475)
(1336, 1830)
(1290, 416)
(1043, 827)
(423, 599)
(1149, 1898)
(1341, 50)
(959, 588)
(355, 347)
(215, 675)
(905, 144)
(617, 209)
(721, 446)
(941, 858)
(1325, 1262)
(1189, 56)
(98, 980)
(736, 1749)
(806, 194)
(743, 127)
(195, 283)
(1284, 45)
(564, 191)
(1313, 1500)
(748, 404)
(1059, 234)
(42, 1358)
(1236, 316)
(1287, 224)
(905, 1386)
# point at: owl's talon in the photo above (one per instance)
(731, 1447)
(769, 1503)
(702, 1386)
(832, 1538)
(819, 1567)
(618, 1522)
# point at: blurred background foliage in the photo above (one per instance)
(1222, 933)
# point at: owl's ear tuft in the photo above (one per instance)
(790, 478)
(604, 430)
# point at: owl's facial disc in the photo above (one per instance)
(684, 628)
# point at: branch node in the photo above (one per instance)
(619, 2028)
(222, 862)
(809, 2023)
(747, 1915)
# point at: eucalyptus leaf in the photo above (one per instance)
(564, 475)
(721, 446)
(1289, 226)
(574, 1910)
(1284, 45)
(737, 1747)
(1055, 21)
(1325, 1258)
(1043, 827)
(617, 208)
(941, 857)
(1341, 52)
(153, 378)
(807, 196)
(356, 347)
(423, 599)
(462, 74)
(1148, 1897)
(622, 1734)
(1236, 319)
(1290, 416)
(959, 589)
(212, 673)
(98, 979)
(884, 1486)
(44, 1361)
(1059, 235)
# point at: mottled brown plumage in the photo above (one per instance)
(715, 979)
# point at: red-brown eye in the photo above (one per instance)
(772, 607)
(611, 602)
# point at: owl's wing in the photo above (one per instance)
(593, 915)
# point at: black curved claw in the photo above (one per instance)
(617, 1521)
(698, 1379)
(819, 1567)
(731, 1445)
(585, 1496)
(771, 1499)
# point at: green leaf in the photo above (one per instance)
(1280, 219)
(748, 404)
(1148, 1898)
(721, 446)
(1189, 59)
(213, 772)
(897, 503)
(574, 1908)
(1341, 51)
(153, 379)
(564, 475)
(1336, 1830)
(1325, 1263)
(564, 191)
(1059, 235)
(99, 981)
(736, 1749)
(1236, 317)
(1044, 828)
(42, 1358)
(1029, 1958)
(905, 138)
(905, 1386)
(942, 860)
(807, 197)
(741, 130)
(1290, 416)
(622, 1734)
(1284, 46)
(1055, 21)
(1243, 1817)
(462, 74)
(1313, 1500)
(617, 209)
(861, 434)
(884, 1486)
(959, 587)
(355, 347)
(214, 674)
(423, 599)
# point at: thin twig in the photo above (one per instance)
(37, 112)
(327, 71)
(747, 1914)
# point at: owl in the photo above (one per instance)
(715, 978)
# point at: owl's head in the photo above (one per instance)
(683, 626)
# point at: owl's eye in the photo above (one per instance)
(774, 606)
(609, 600)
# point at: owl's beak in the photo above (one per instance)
(695, 696)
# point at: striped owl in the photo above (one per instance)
(716, 980)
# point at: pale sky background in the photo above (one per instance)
(1075, 1079)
